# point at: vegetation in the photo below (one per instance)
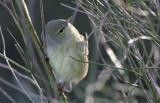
(124, 58)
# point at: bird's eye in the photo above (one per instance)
(61, 30)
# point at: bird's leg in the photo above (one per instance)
(61, 88)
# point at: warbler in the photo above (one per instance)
(64, 44)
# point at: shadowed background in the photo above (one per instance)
(103, 84)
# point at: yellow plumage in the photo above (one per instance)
(64, 42)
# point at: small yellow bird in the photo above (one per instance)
(63, 43)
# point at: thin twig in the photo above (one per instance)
(9, 84)
(17, 72)
(43, 35)
(7, 95)
(12, 68)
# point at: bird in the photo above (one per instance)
(64, 44)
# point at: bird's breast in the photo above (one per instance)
(64, 66)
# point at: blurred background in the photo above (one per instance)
(116, 78)
(52, 10)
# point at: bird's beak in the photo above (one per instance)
(67, 21)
